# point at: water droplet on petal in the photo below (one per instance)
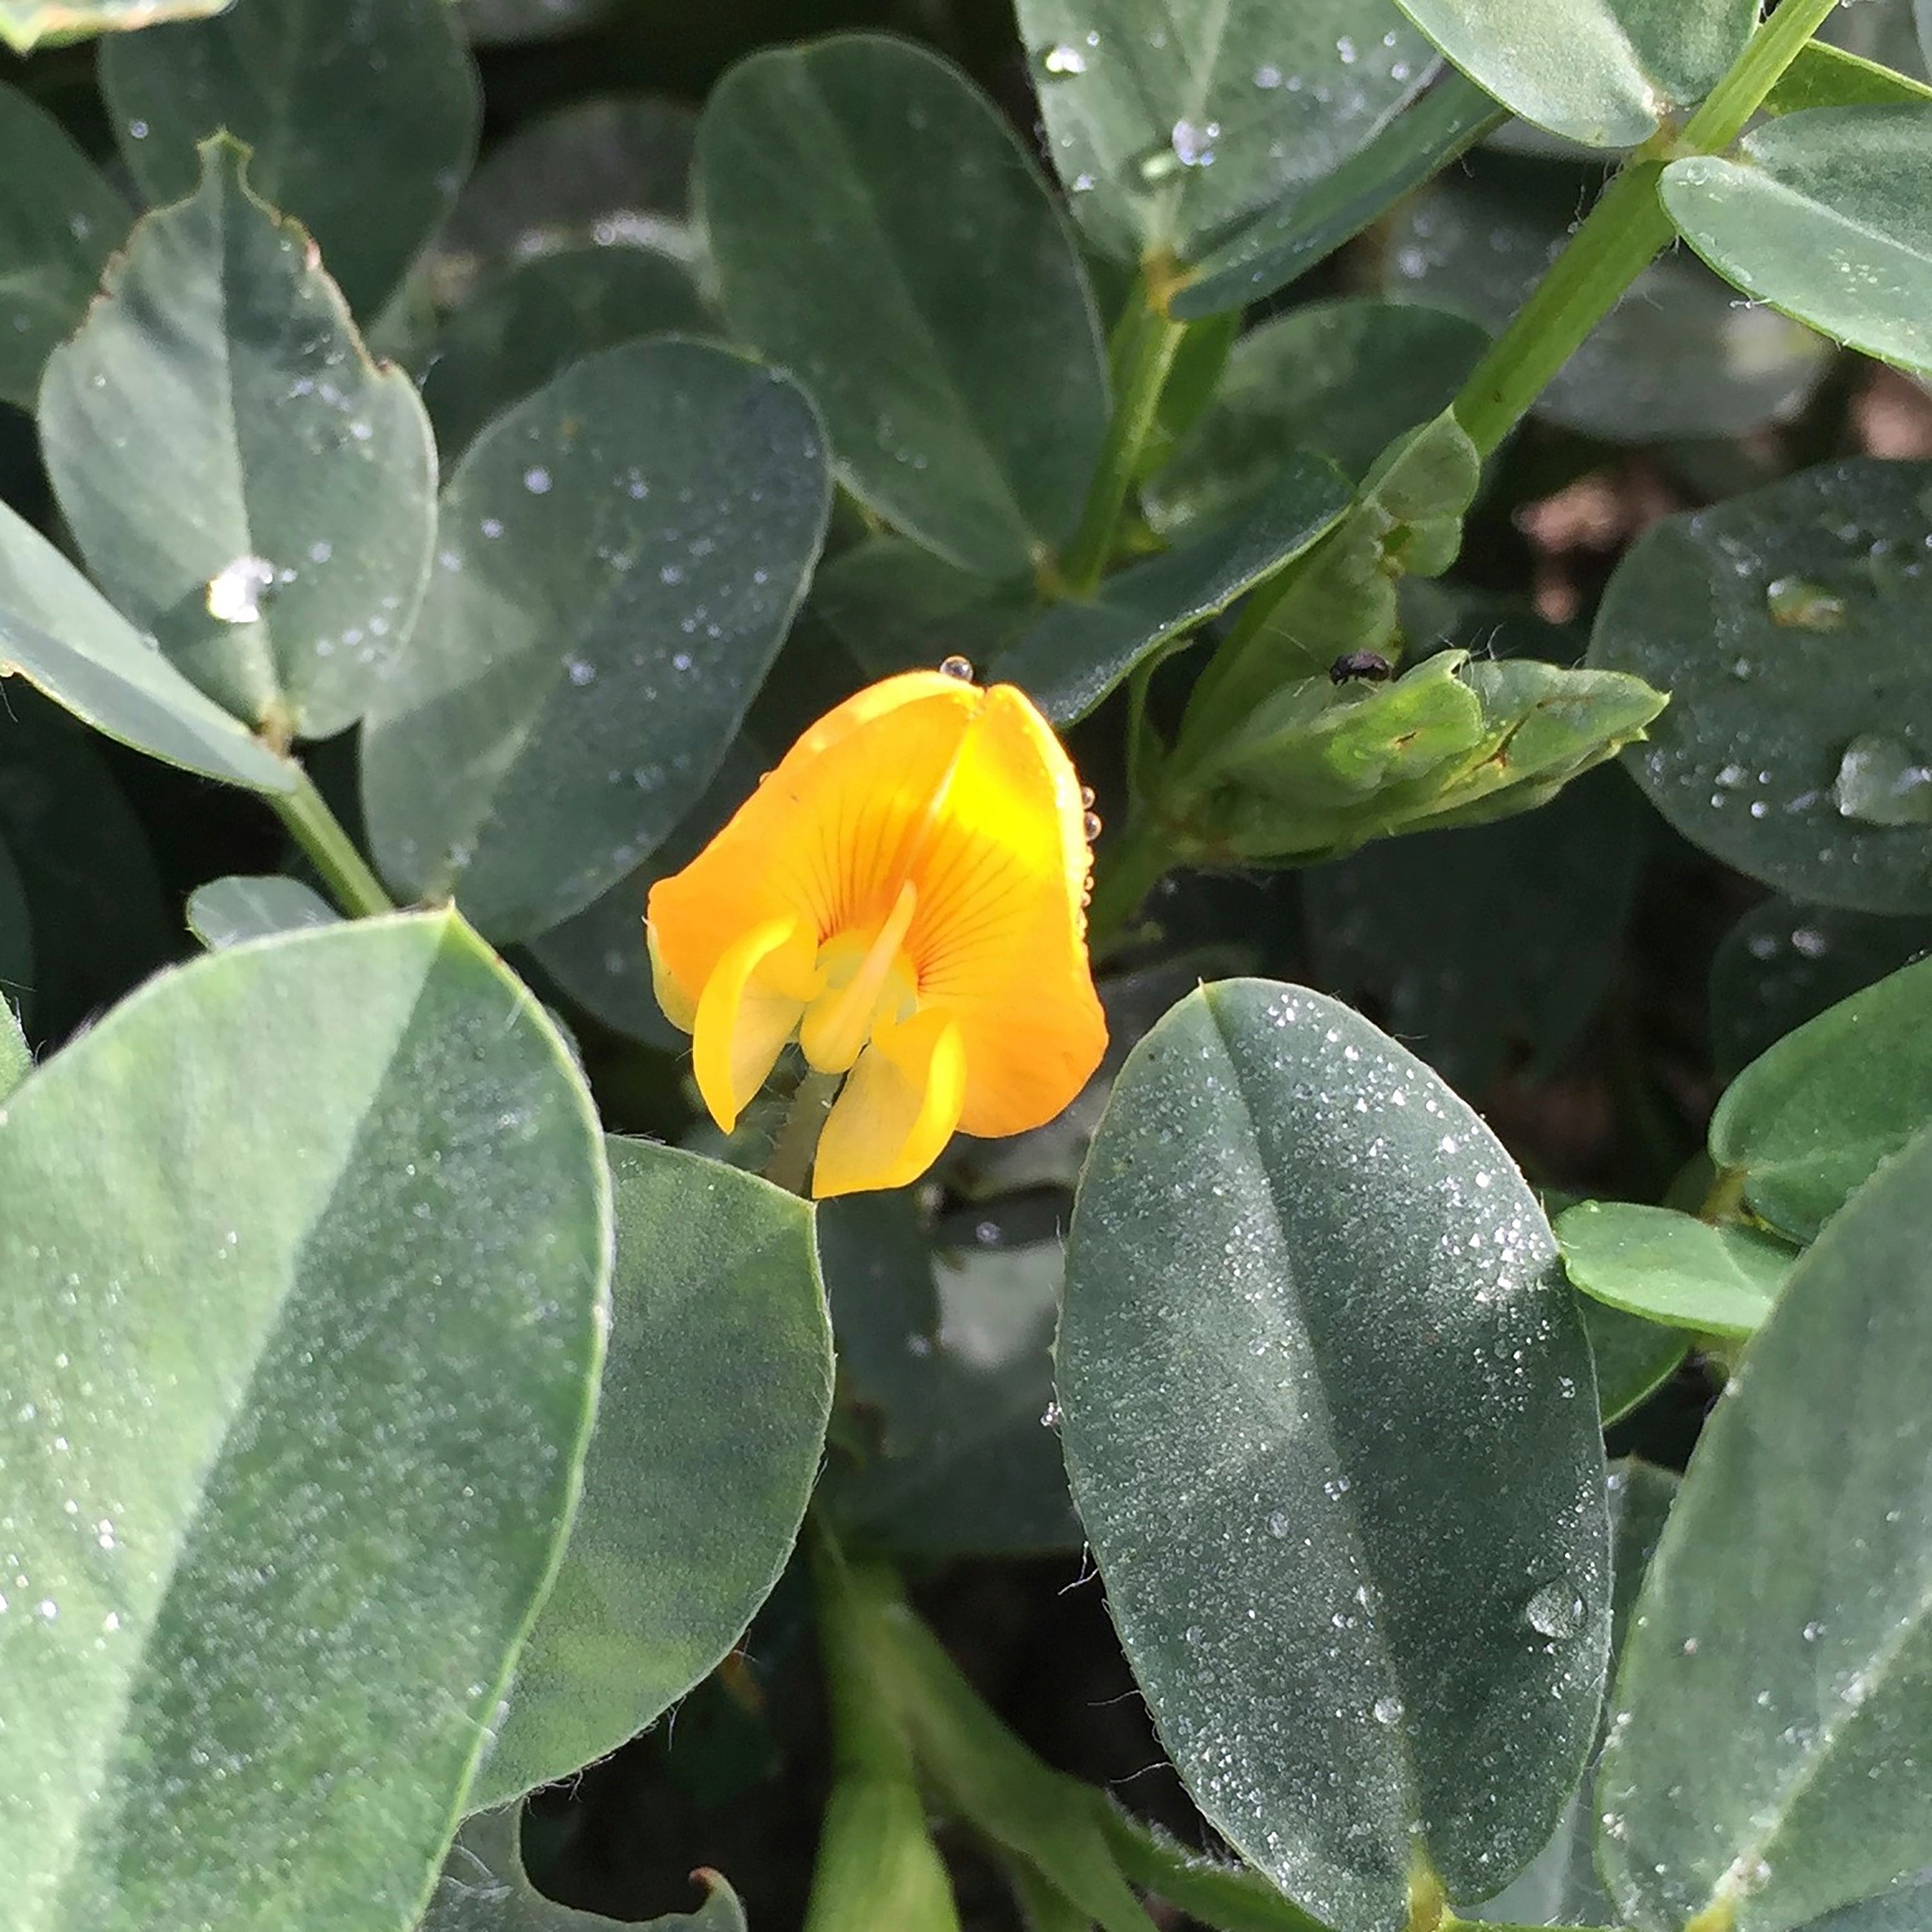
(957, 667)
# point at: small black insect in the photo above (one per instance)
(1370, 665)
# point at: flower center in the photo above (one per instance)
(867, 980)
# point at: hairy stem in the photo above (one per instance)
(319, 832)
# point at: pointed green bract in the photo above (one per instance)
(1280, 1364)
(879, 230)
(1175, 125)
(483, 1888)
(362, 116)
(245, 484)
(710, 1431)
(1606, 73)
(59, 222)
(1768, 1750)
(309, 1243)
(591, 639)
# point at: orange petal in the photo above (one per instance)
(680, 1004)
(750, 1007)
(999, 937)
(897, 1110)
(824, 835)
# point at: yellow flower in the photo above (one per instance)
(903, 895)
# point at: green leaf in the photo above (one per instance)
(1824, 216)
(949, 1357)
(1905, 1908)
(1561, 1888)
(1055, 1823)
(1783, 963)
(1788, 625)
(1175, 126)
(273, 534)
(1077, 652)
(232, 911)
(16, 1058)
(1219, 1894)
(59, 633)
(362, 122)
(1829, 76)
(25, 24)
(490, 23)
(1809, 1120)
(597, 956)
(1679, 356)
(1606, 73)
(896, 606)
(591, 639)
(1768, 1752)
(17, 934)
(1479, 947)
(1315, 1389)
(1345, 377)
(483, 1888)
(59, 222)
(515, 334)
(1672, 1267)
(310, 1241)
(1449, 119)
(709, 1435)
(1634, 1358)
(100, 922)
(877, 1864)
(606, 172)
(877, 229)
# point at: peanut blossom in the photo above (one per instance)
(903, 896)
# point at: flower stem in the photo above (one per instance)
(1125, 872)
(319, 832)
(1620, 238)
(790, 1166)
(1144, 343)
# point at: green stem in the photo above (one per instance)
(319, 832)
(1124, 873)
(790, 1166)
(866, 1734)
(1622, 234)
(1143, 355)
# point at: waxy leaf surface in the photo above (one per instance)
(361, 115)
(1603, 72)
(1075, 655)
(1768, 1747)
(59, 222)
(1809, 1120)
(708, 1434)
(1788, 626)
(59, 633)
(1672, 1267)
(309, 1241)
(1312, 1313)
(231, 911)
(245, 484)
(879, 231)
(1175, 125)
(1824, 215)
(618, 560)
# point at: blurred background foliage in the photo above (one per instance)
(1583, 973)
